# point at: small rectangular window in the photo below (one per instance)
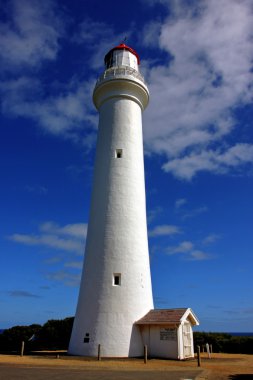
(118, 153)
(117, 279)
(86, 339)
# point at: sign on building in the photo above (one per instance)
(168, 334)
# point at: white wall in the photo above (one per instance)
(117, 232)
(167, 347)
(166, 341)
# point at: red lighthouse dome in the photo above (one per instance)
(122, 55)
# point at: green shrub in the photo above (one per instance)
(224, 342)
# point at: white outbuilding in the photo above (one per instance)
(168, 333)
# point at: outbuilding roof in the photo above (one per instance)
(168, 317)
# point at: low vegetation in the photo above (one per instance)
(224, 342)
(55, 335)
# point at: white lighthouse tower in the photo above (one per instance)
(115, 289)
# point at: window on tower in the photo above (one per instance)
(118, 153)
(116, 279)
(86, 339)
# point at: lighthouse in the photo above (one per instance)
(115, 290)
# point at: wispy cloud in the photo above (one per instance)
(153, 214)
(22, 293)
(211, 239)
(197, 255)
(78, 230)
(183, 247)
(217, 161)
(187, 248)
(164, 230)
(182, 208)
(31, 35)
(194, 212)
(99, 38)
(36, 189)
(208, 73)
(64, 113)
(74, 264)
(70, 237)
(68, 241)
(67, 278)
(205, 73)
(51, 241)
(180, 202)
(53, 260)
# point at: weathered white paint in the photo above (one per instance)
(117, 234)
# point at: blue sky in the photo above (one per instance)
(196, 57)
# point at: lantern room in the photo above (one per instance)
(122, 55)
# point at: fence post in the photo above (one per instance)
(22, 348)
(145, 354)
(99, 352)
(208, 351)
(198, 352)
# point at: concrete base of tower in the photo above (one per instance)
(117, 346)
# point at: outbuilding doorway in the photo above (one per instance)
(187, 339)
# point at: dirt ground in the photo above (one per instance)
(57, 365)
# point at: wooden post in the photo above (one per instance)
(198, 352)
(208, 351)
(145, 354)
(211, 348)
(22, 348)
(99, 352)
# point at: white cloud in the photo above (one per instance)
(22, 293)
(190, 253)
(51, 241)
(184, 247)
(78, 230)
(194, 212)
(98, 38)
(193, 94)
(74, 264)
(64, 113)
(216, 161)
(186, 212)
(207, 73)
(153, 214)
(164, 230)
(31, 35)
(180, 202)
(197, 255)
(69, 279)
(69, 238)
(212, 238)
